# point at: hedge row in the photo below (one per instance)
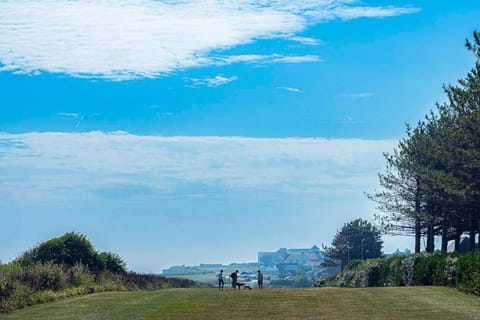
(438, 269)
(22, 286)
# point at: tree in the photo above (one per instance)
(403, 187)
(69, 249)
(432, 182)
(358, 239)
(113, 262)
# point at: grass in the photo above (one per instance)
(325, 303)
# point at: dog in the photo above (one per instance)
(245, 287)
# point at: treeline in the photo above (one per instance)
(431, 186)
(69, 266)
(455, 270)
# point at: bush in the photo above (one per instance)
(354, 265)
(69, 266)
(22, 286)
(437, 269)
(69, 249)
(80, 275)
(44, 277)
(468, 272)
(301, 282)
(113, 262)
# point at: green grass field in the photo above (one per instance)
(322, 303)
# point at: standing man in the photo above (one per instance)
(260, 279)
(220, 280)
(234, 277)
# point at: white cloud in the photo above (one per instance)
(306, 41)
(53, 165)
(209, 82)
(290, 89)
(297, 59)
(262, 59)
(125, 39)
(349, 13)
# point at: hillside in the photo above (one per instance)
(313, 303)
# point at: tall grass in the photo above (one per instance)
(22, 286)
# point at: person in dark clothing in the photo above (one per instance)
(234, 277)
(260, 279)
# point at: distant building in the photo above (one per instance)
(464, 245)
(291, 259)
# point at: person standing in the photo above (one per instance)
(220, 278)
(234, 277)
(260, 279)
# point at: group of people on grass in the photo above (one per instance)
(234, 278)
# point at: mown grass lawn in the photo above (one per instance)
(325, 303)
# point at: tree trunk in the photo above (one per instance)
(430, 238)
(418, 235)
(444, 237)
(418, 232)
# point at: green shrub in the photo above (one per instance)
(113, 262)
(395, 274)
(430, 269)
(69, 266)
(80, 275)
(46, 276)
(69, 249)
(438, 265)
(397, 271)
(468, 272)
(354, 265)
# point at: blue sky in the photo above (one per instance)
(180, 132)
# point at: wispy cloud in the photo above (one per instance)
(348, 13)
(209, 82)
(350, 120)
(298, 59)
(79, 117)
(290, 89)
(69, 114)
(125, 39)
(307, 41)
(263, 59)
(359, 95)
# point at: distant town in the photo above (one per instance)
(295, 267)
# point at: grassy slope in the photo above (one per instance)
(327, 303)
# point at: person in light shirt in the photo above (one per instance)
(221, 282)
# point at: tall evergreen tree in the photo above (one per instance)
(358, 239)
(432, 182)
